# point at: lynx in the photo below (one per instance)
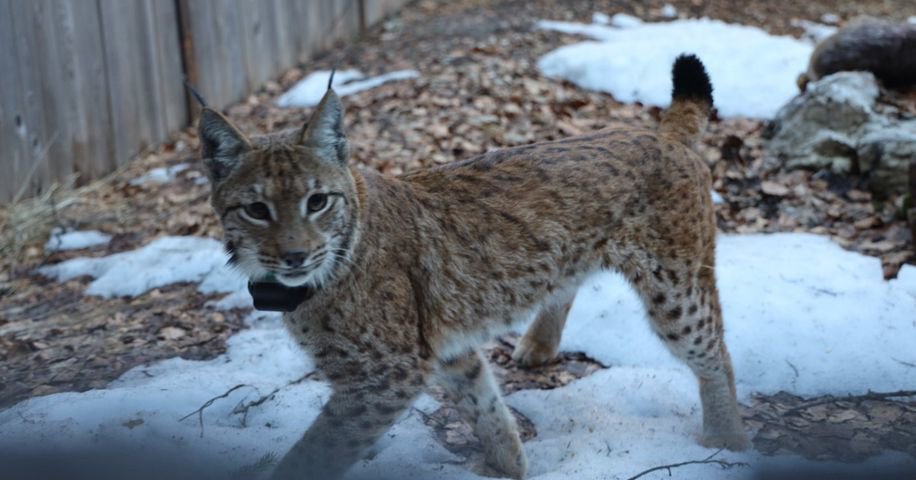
(407, 276)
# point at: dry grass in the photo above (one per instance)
(28, 222)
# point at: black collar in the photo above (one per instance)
(272, 296)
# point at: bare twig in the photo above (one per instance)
(426, 416)
(41, 157)
(242, 408)
(794, 370)
(852, 398)
(901, 362)
(706, 461)
(200, 411)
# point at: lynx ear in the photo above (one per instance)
(324, 131)
(221, 143)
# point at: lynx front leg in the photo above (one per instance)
(352, 420)
(470, 384)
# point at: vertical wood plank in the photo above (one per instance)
(56, 83)
(231, 52)
(286, 13)
(60, 85)
(201, 28)
(373, 11)
(257, 24)
(143, 69)
(145, 60)
(324, 25)
(90, 142)
(296, 20)
(219, 50)
(377, 10)
(351, 24)
(14, 139)
(28, 27)
(163, 21)
(120, 20)
(188, 57)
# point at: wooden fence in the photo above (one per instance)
(87, 84)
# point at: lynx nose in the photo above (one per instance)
(294, 258)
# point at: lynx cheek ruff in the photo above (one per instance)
(269, 295)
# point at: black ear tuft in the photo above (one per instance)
(194, 93)
(221, 143)
(324, 131)
(331, 78)
(690, 79)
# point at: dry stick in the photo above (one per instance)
(200, 411)
(901, 362)
(42, 158)
(706, 461)
(852, 398)
(242, 408)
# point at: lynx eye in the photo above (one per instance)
(257, 210)
(317, 202)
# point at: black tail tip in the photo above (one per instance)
(690, 79)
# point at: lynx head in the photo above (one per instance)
(287, 201)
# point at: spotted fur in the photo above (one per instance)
(412, 273)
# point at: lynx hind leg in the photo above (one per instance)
(541, 341)
(470, 384)
(684, 310)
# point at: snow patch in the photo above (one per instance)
(623, 20)
(263, 357)
(61, 240)
(599, 18)
(668, 11)
(160, 175)
(716, 197)
(309, 91)
(801, 315)
(830, 18)
(752, 71)
(161, 262)
(623, 420)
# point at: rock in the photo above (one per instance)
(886, 151)
(836, 125)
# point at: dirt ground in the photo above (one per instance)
(479, 89)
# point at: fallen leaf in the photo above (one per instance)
(867, 222)
(842, 416)
(774, 189)
(172, 333)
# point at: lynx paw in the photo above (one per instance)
(529, 353)
(510, 462)
(736, 440)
